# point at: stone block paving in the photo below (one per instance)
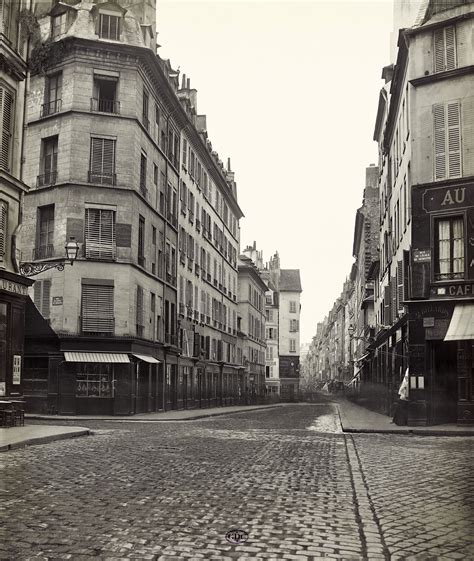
(422, 490)
(171, 491)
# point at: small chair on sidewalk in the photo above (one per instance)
(7, 414)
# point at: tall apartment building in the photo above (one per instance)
(424, 298)
(13, 286)
(119, 160)
(251, 326)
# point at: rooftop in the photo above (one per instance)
(290, 280)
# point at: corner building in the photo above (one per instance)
(105, 136)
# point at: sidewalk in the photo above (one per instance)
(180, 415)
(355, 418)
(19, 437)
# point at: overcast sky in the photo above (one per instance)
(290, 91)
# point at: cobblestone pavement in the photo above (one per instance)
(300, 488)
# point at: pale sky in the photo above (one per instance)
(290, 90)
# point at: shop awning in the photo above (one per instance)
(146, 358)
(461, 326)
(86, 356)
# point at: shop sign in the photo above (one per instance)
(428, 322)
(16, 379)
(14, 287)
(447, 198)
(57, 300)
(422, 255)
(460, 290)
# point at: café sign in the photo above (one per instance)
(448, 198)
(14, 287)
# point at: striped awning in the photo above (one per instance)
(146, 358)
(461, 327)
(86, 356)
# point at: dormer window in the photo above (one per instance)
(58, 25)
(109, 27)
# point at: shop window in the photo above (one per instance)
(449, 248)
(94, 380)
(100, 234)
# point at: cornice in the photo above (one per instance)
(439, 76)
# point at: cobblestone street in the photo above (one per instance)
(287, 476)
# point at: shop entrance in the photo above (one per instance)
(444, 391)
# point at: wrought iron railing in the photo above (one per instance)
(51, 107)
(105, 105)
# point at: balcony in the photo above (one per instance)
(105, 105)
(102, 178)
(48, 178)
(43, 252)
(50, 108)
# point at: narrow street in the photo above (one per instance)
(289, 477)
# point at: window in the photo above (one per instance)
(105, 94)
(97, 306)
(185, 152)
(102, 164)
(100, 234)
(58, 25)
(294, 325)
(292, 307)
(9, 11)
(292, 346)
(141, 241)
(143, 190)
(447, 140)
(52, 95)
(444, 49)
(145, 104)
(109, 27)
(139, 312)
(45, 233)
(49, 164)
(3, 229)
(42, 296)
(6, 119)
(449, 248)
(94, 380)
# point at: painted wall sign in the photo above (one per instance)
(16, 288)
(446, 198)
(422, 255)
(57, 300)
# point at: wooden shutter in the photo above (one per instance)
(100, 233)
(439, 141)
(42, 296)
(439, 50)
(450, 48)
(387, 305)
(102, 160)
(454, 139)
(97, 308)
(6, 106)
(3, 228)
(140, 314)
(400, 287)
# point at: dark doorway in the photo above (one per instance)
(443, 391)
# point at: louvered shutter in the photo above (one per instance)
(6, 105)
(450, 46)
(393, 293)
(439, 50)
(454, 139)
(97, 308)
(102, 160)
(439, 141)
(140, 314)
(42, 296)
(3, 229)
(100, 234)
(387, 305)
(400, 287)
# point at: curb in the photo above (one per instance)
(409, 432)
(134, 419)
(44, 440)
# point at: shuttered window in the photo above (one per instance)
(400, 287)
(102, 165)
(447, 140)
(6, 118)
(139, 312)
(97, 308)
(100, 240)
(444, 49)
(42, 296)
(3, 229)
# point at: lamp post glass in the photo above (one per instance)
(72, 248)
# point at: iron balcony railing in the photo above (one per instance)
(102, 178)
(48, 178)
(105, 105)
(43, 252)
(50, 107)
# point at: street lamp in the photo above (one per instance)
(351, 331)
(32, 268)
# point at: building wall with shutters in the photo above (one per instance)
(285, 325)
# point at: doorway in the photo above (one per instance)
(444, 386)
